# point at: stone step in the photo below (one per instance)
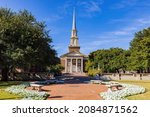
(78, 74)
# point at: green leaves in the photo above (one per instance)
(24, 40)
(110, 60)
(137, 58)
(140, 51)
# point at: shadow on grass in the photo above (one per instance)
(9, 83)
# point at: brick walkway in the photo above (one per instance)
(75, 88)
(75, 91)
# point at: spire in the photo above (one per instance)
(74, 30)
(74, 20)
(74, 46)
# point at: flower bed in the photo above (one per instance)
(27, 94)
(128, 90)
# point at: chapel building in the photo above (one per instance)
(74, 60)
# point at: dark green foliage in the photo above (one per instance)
(56, 69)
(140, 51)
(110, 60)
(24, 42)
(137, 58)
(94, 72)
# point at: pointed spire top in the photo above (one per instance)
(74, 36)
(74, 20)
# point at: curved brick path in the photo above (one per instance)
(75, 89)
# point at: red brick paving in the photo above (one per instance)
(75, 91)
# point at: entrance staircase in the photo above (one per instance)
(78, 74)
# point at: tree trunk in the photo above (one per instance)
(4, 74)
(148, 70)
(117, 71)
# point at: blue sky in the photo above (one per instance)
(101, 24)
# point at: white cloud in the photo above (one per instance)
(125, 3)
(124, 31)
(131, 26)
(68, 5)
(143, 21)
(112, 21)
(120, 32)
(91, 5)
(102, 44)
(117, 38)
(88, 7)
(53, 18)
(131, 3)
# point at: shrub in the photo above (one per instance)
(27, 94)
(93, 72)
(128, 90)
(56, 69)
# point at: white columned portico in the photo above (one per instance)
(76, 65)
(70, 65)
(66, 67)
(81, 65)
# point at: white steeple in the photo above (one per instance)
(74, 36)
(74, 20)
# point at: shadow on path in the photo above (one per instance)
(75, 88)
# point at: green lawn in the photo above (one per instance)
(5, 95)
(144, 96)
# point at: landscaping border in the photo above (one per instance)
(27, 94)
(128, 90)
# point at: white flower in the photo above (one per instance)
(128, 90)
(27, 94)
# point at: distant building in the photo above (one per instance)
(74, 60)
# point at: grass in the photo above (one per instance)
(144, 96)
(5, 95)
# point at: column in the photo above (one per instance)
(66, 65)
(71, 65)
(76, 65)
(81, 65)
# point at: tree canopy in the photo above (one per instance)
(109, 60)
(137, 58)
(24, 41)
(140, 51)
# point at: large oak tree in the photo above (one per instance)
(24, 42)
(140, 51)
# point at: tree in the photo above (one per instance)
(140, 51)
(108, 60)
(137, 58)
(24, 42)
(56, 69)
(119, 59)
